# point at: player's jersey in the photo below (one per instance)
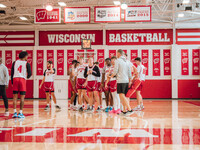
(20, 69)
(142, 72)
(49, 77)
(80, 71)
(106, 71)
(111, 72)
(91, 77)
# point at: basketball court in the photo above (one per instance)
(164, 35)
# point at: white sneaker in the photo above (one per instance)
(142, 107)
(6, 114)
(137, 109)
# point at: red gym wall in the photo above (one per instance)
(156, 52)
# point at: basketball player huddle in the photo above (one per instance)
(119, 80)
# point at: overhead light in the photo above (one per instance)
(23, 18)
(2, 6)
(117, 3)
(124, 6)
(62, 4)
(49, 8)
(180, 15)
(186, 1)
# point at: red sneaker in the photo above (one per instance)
(112, 111)
(118, 111)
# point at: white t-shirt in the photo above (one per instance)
(111, 72)
(20, 70)
(80, 71)
(106, 70)
(49, 77)
(91, 77)
(142, 72)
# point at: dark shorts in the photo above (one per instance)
(122, 88)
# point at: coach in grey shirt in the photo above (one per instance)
(123, 72)
(4, 80)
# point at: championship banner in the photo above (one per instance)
(145, 60)
(40, 62)
(137, 14)
(70, 57)
(77, 15)
(139, 37)
(156, 62)
(44, 16)
(134, 54)
(60, 62)
(50, 56)
(195, 62)
(184, 62)
(167, 62)
(112, 53)
(53, 38)
(100, 57)
(80, 53)
(17, 54)
(30, 58)
(90, 53)
(8, 60)
(107, 14)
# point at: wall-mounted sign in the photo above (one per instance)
(77, 15)
(107, 14)
(44, 16)
(137, 14)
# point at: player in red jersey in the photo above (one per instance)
(21, 70)
(80, 80)
(91, 73)
(48, 81)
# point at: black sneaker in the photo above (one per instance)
(58, 107)
(47, 108)
(81, 109)
(129, 112)
(98, 109)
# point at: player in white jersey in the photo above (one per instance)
(112, 83)
(48, 81)
(141, 74)
(80, 80)
(21, 70)
(91, 73)
(108, 95)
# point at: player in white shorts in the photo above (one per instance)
(113, 88)
(80, 80)
(48, 81)
(21, 70)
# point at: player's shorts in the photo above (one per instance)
(49, 86)
(79, 84)
(122, 88)
(134, 87)
(140, 87)
(113, 85)
(19, 85)
(91, 86)
(99, 87)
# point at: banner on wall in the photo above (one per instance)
(30, 58)
(60, 62)
(125, 51)
(70, 57)
(8, 60)
(80, 53)
(107, 14)
(156, 62)
(112, 53)
(44, 16)
(134, 54)
(195, 62)
(47, 38)
(100, 57)
(184, 62)
(145, 60)
(77, 15)
(167, 62)
(137, 14)
(40, 62)
(90, 53)
(139, 37)
(0, 53)
(17, 54)
(50, 56)
(17, 38)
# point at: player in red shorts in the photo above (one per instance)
(48, 81)
(91, 73)
(80, 80)
(108, 95)
(21, 70)
(113, 88)
(141, 74)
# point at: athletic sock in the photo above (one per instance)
(20, 111)
(138, 106)
(15, 110)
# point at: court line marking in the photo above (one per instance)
(38, 122)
